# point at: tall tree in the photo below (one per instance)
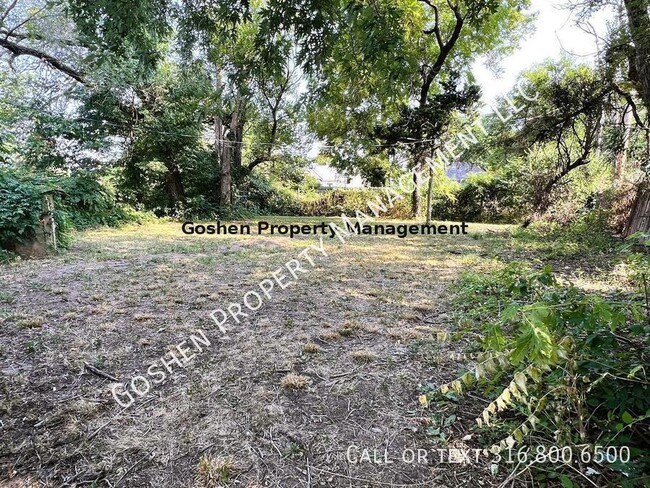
(249, 88)
(558, 134)
(383, 72)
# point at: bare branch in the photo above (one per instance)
(630, 101)
(8, 11)
(27, 20)
(37, 37)
(20, 50)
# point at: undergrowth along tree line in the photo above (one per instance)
(203, 110)
(563, 370)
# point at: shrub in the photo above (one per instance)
(485, 197)
(256, 195)
(81, 201)
(90, 202)
(348, 201)
(21, 205)
(573, 362)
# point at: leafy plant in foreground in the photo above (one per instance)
(576, 363)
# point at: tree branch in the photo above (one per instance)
(445, 50)
(20, 50)
(37, 37)
(630, 101)
(6, 12)
(436, 26)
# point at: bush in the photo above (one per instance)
(348, 201)
(574, 362)
(6, 256)
(90, 202)
(21, 206)
(80, 202)
(484, 197)
(256, 195)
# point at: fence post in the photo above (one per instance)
(48, 222)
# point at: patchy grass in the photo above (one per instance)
(7, 297)
(119, 299)
(31, 322)
(364, 356)
(294, 381)
(215, 472)
(311, 348)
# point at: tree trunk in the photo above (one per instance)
(621, 158)
(174, 184)
(599, 137)
(225, 173)
(647, 148)
(543, 201)
(415, 195)
(223, 155)
(639, 25)
(429, 196)
(237, 135)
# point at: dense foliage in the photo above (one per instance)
(80, 202)
(560, 366)
(20, 206)
(191, 107)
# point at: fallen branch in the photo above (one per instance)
(99, 372)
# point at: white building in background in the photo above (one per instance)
(330, 178)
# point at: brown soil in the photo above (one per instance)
(119, 300)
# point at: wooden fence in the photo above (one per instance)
(640, 215)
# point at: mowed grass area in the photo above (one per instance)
(334, 360)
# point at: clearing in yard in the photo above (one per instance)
(317, 387)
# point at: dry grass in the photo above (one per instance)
(330, 336)
(311, 348)
(294, 381)
(31, 322)
(404, 334)
(119, 298)
(349, 329)
(215, 472)
(364, 356)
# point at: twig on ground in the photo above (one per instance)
(99, 372)
(117, 483)
(340, 375)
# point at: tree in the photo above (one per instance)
(251, 90)
(383, 73)
(560, 130)
(40, 31)
(626, 57)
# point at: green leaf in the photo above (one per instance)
(627, 418)
(510, 312)
(566, 482)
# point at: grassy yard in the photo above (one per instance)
(332, 361)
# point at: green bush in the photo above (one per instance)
(485, 197)
(257, 195)
(21, 205)
(348, 201)
(91, 202)
(80, 202)
(574, 362)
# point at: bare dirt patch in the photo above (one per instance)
(360, 332)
